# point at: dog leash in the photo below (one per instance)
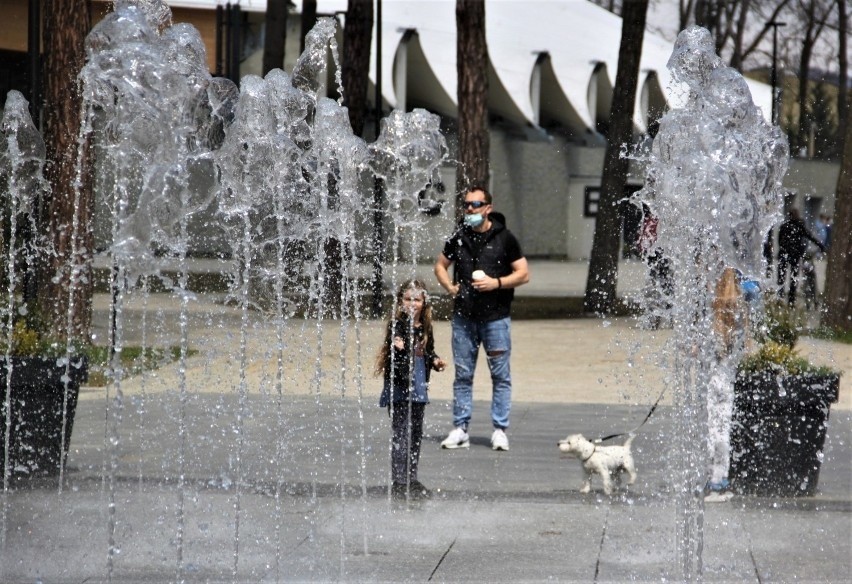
(611, 436)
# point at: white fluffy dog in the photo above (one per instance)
(607, 461)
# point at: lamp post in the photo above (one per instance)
(378, 186)
(773, 75)
(773, 80)
(34, 60)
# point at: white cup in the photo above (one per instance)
(478, 275)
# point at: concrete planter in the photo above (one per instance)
(778, 432)
(38, 405)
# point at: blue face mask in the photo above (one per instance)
(473, 220)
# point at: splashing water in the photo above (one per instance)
(714, 182)
(22, 156)
(278, 166)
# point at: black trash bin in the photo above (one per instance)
(37, 400)
(778, 432)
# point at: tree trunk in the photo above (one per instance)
(356, 60)
(65, 287)
(814, 13)
(843, 63)
(309, 19)
(603, 265)
(739, 34)
(803, 132)
(472, 71)
(838, 276)
(276, 35)
(685, 10)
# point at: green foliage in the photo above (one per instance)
(781, 358)
(829, 334)
(28, 341)
(25, 341)
(781, 324)
(778, 331)
(132, 360)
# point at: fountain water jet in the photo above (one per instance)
(714, 181)
(280, 168)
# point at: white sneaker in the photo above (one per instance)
(458, 438)
(717, 497)
(499, 441)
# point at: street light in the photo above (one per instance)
(378, 186)
(773, 80)
(773, 75)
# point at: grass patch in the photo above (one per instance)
(832, 335)
(134, 360)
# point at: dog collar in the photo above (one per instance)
(594, 447)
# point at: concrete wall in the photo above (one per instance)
(529, 183)
(814, 183)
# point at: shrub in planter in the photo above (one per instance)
(781, 406)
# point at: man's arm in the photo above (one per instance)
(813, 238)
(442, 273)
(520, 275)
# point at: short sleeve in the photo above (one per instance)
(450, 247)
(513, 249)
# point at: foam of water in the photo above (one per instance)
(278, 165)
(714, 181)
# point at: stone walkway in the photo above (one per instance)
(224, 479)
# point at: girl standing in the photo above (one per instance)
(730, 326)
(405, 360)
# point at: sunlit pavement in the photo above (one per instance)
(238, 478)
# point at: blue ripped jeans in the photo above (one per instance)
(495, 337)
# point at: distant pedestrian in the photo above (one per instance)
(821, 228)
(793, 239)
(659, 267)
(489, 264)
(405, 360)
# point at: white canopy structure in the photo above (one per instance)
(551, 61)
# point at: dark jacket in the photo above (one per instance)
(494, 256)
(403, 362)
(793, 238)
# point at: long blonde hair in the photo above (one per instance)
(383, 356)
(729, 315)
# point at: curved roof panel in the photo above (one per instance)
(577, 35)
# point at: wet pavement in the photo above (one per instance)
(245, 477)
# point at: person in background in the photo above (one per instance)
(793, 239)
(489, 265)
(730, 332)
(828, 226)
(821, 228)
(405, 360)
(659, 266)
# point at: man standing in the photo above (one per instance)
(489, 264)
(793, 239)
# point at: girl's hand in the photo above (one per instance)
(439, 364)
(398, 343)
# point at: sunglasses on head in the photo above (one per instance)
(474, 204)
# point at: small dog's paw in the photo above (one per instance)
(585, 489)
